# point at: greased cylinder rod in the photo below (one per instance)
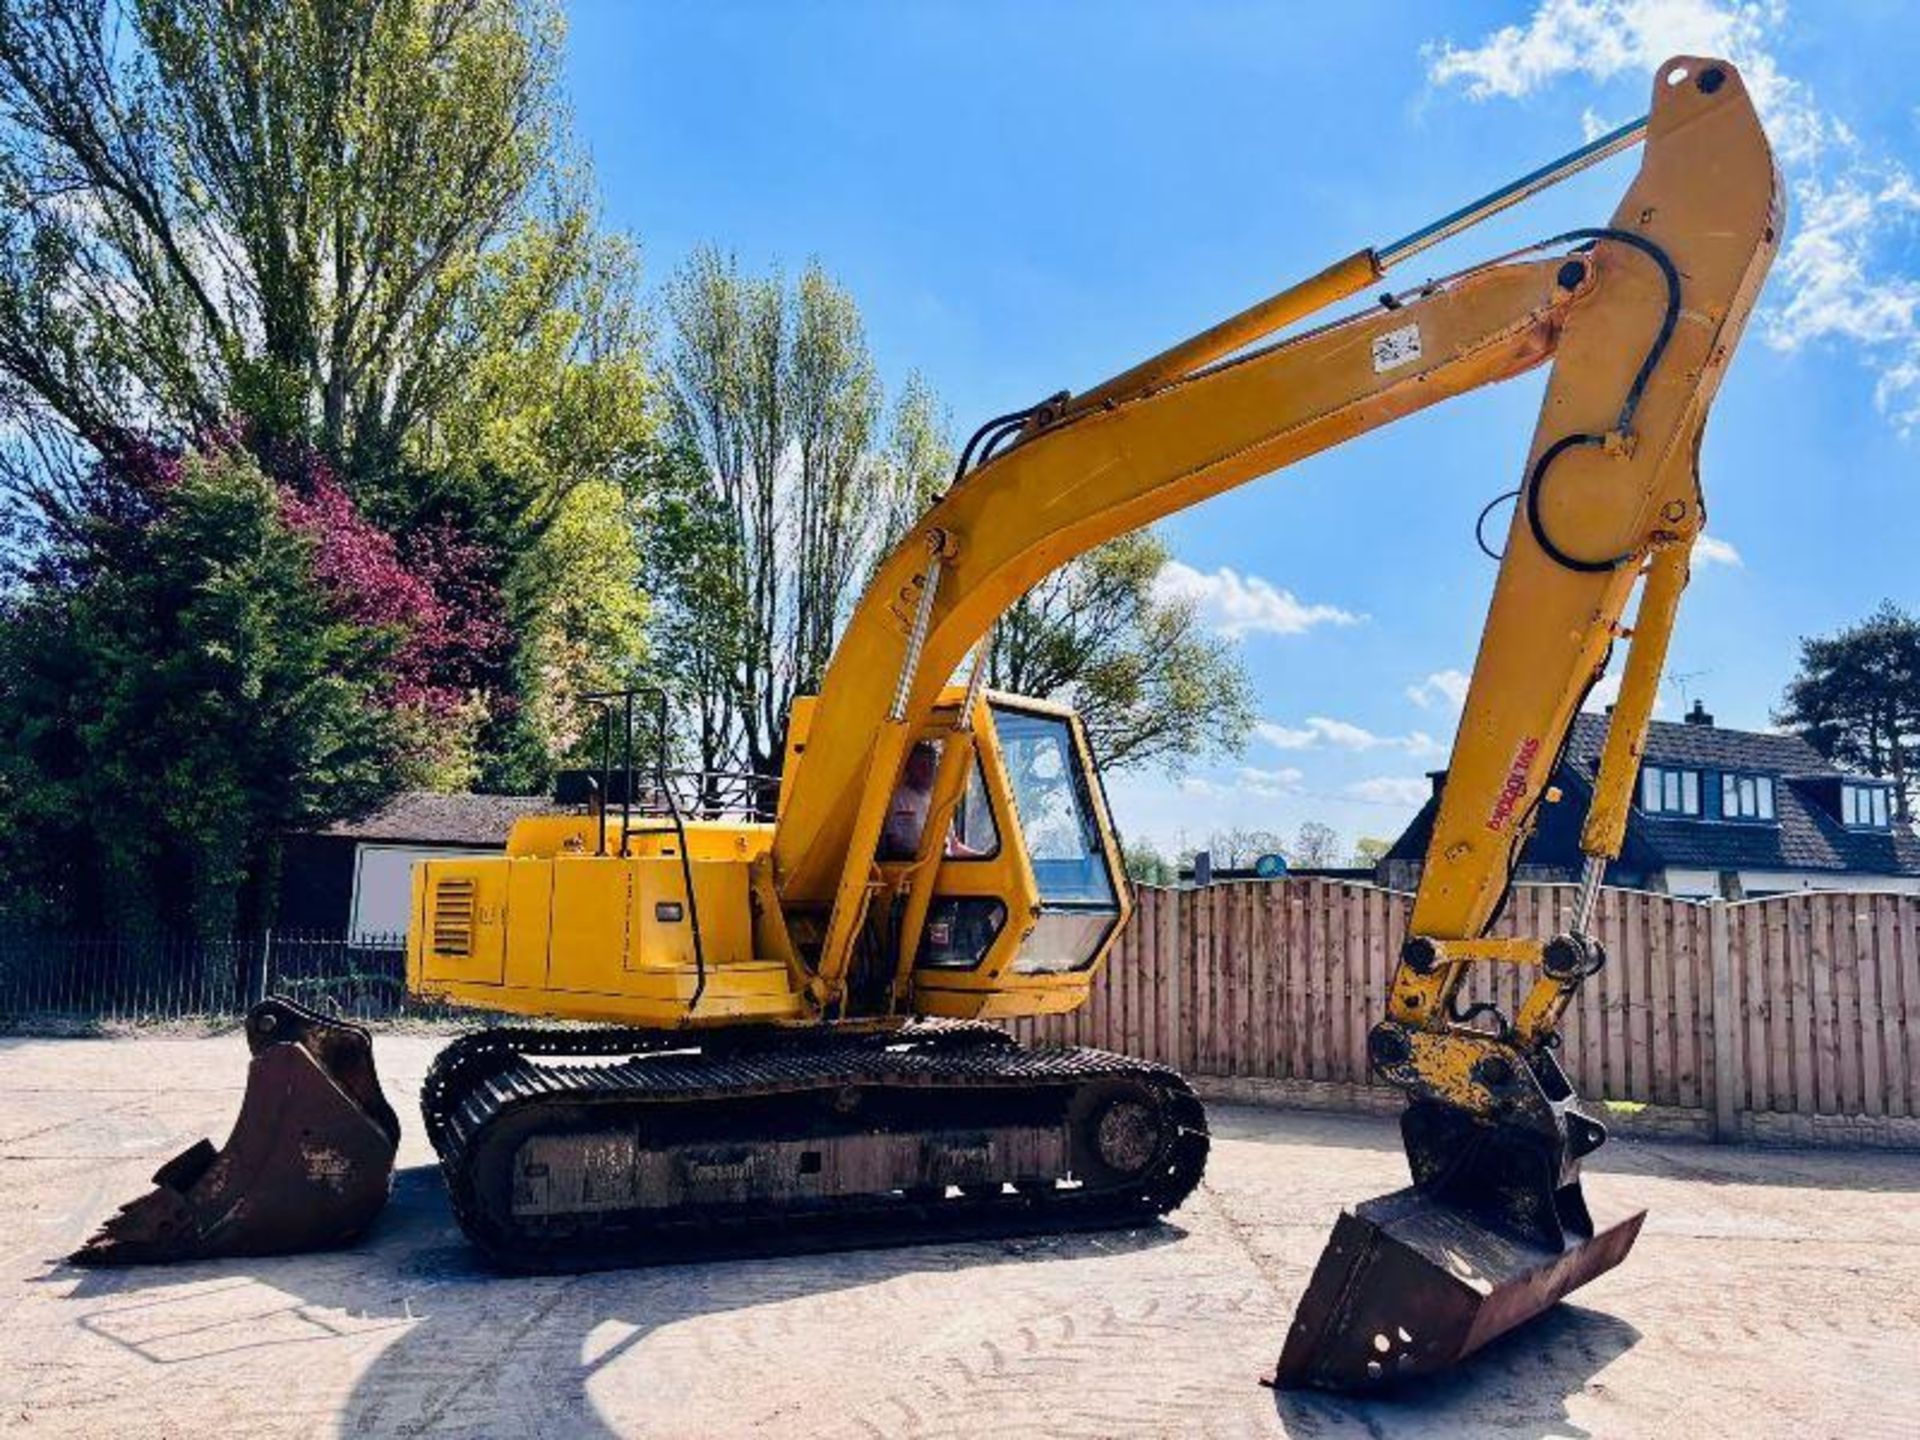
(1527, 186)
(1339, 281)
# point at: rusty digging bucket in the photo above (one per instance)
(308, 1165)
(1493, 1231)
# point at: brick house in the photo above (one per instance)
(1733, 813)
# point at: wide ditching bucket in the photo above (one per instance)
(1493, 1231)
(308, 1165)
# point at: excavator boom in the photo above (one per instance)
(1639, 318)
(789, 987)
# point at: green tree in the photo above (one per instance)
(1315, 845)
(339, 218)
(350, 228)
(917, 461)
(1150, 683)
(1856, 699)
(1145, 864)
(786, 488)
(782, 478)
(1369, 851)
(173, 695)
(580, 613)
(699, 633)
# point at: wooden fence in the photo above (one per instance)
(1750, 1014)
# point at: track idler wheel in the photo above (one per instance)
(308, 1165)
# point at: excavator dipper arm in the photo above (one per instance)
(1495, 1226)
(1638, 317)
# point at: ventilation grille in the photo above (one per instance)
(453, 917)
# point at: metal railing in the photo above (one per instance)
(160, 977)
(719, 795)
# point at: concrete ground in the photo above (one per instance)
(1772, 1293)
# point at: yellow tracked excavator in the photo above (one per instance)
(791, 1044)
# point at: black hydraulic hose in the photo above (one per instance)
(988, 433)
(1480, 525)
(999, 438)
(1536, 479)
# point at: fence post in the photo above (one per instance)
(1173, 935)
(1725, 1018)
(257, 991)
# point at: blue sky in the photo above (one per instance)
(1025, 198)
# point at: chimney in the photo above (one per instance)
(1698, 715)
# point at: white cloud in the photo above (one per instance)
(1271, 783)
(1839, 283)
(1392, 790)
(1897, 392)
(1603, 694)
(1448, 686)
(1607, 39)
(1839, 278)
(1712, 550)
(1607, 692)
(1237, 605)
(1343, 734)
(1286, 737)
(1321, 730)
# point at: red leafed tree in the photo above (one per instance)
(470, 650)
(438, 594)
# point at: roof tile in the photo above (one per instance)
(431, 818)
(1807, 836)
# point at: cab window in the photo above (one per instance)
(1052, 796)
(1056, 811)
(971, 834)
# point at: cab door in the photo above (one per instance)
(1065, 835)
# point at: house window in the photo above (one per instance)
(1669, 792)
(1746, 797)
(1865, 807)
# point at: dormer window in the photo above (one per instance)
(1669, 792)
(1746, 797)
(1865, 807)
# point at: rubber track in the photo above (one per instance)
(481, 1078)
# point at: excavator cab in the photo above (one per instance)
(1053, 866)
(1023, 884)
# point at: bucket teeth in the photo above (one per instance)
(308, 1165)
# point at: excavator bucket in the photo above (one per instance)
(1494, 1231)
(308, 1165)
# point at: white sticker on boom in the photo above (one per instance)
(1396, 348)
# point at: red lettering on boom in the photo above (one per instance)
(1516, 784)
